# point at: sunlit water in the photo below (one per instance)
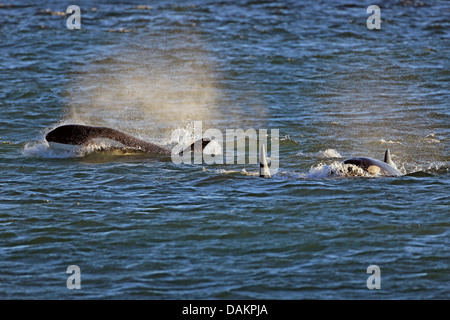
(142, 227)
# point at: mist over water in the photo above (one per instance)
(146, 90)
(142, 227)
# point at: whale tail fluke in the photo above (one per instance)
(387, 158)
(263, 166)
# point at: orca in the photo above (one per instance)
(83, 135)
(369, 165)
(375, 167)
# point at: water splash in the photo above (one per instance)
(336, 169)
(329, 153)
(41, 149)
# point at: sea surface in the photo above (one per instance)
(139, 226)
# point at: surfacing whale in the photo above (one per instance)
(82, 135)
(369, 165)
(373, 166)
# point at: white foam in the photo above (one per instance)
(389, 142)
(329, 153)
(336, 169)
(223, 171)
(41, 149)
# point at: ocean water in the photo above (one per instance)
(142, 227)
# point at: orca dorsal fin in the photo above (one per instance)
(195, 147)
(264, 170)
(387, 158)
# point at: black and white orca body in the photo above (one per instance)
(372, 166)
(76, 135)
(376, 167)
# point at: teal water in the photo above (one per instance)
(142, 227)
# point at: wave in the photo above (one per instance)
(41, 149)
(433, 169)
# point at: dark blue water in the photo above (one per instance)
(142, 227)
